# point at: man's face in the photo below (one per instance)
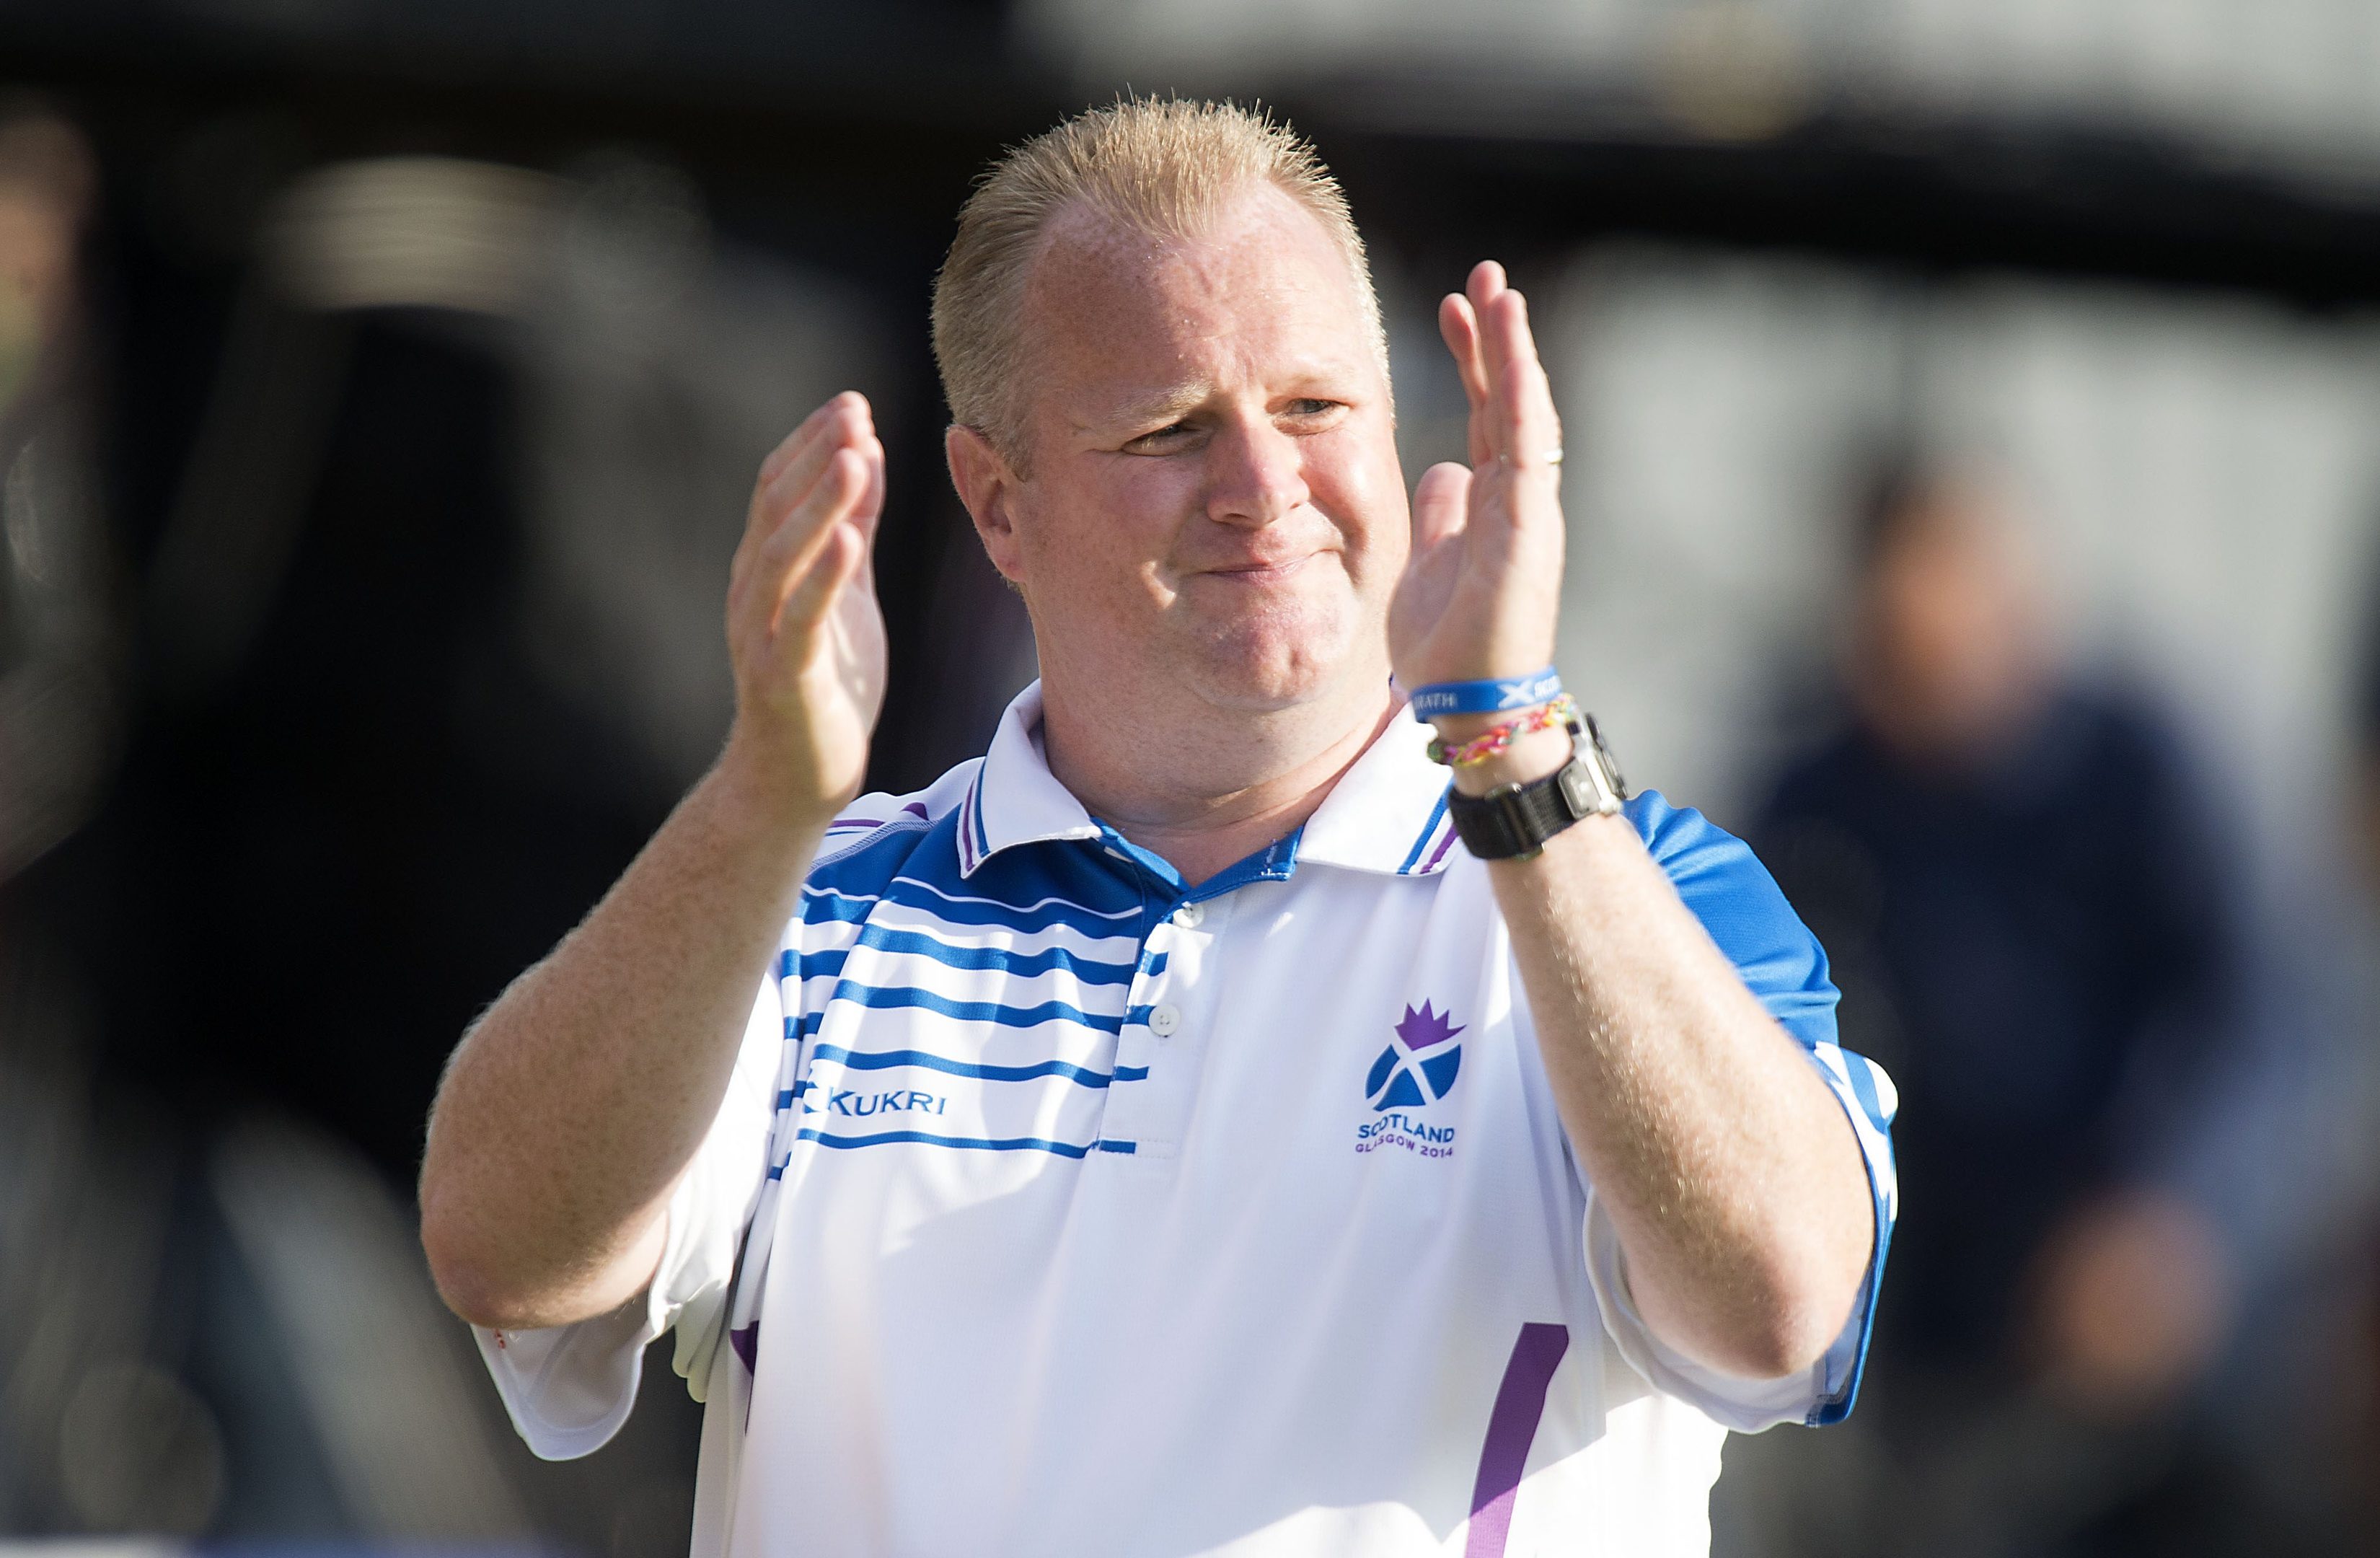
(1954, 651)
(1213, 497)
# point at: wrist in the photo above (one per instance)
(1527, 759)
(1486, 752)
(761, 793)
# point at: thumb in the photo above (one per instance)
(1441, 503)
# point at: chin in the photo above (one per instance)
(1273, 659)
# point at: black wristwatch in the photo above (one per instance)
(1513, 821)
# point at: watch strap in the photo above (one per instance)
(1513, 821)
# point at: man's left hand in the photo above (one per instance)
(1482, 594)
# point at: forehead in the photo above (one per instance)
(1262, 293)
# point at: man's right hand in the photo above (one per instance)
(803, 629)
(580, 1100)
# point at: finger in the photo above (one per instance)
(1481, 290)
(847, 427)
(782, 559)
(778, 503)
(842, 422)
(1459, 327)
(838, 561)
(1527, 428)
(1441, 503)
(795, 496)
(1492, 299)
(812, 428)
(1486, 279)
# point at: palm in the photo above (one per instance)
(1482, 592)
(847, 669)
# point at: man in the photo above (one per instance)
(1159, 1137)
(2021, 882)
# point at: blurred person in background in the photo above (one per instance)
(1099, 1170)
(2016, 876)
(60, 640)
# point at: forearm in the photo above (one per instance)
(1734, 1180)
(1730, 1173)
(572, 1108)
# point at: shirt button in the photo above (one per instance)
(1189, 915)
(1165, 1021)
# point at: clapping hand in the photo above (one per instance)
(1483, 590)
(804, 632)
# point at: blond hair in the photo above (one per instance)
(1159, 166)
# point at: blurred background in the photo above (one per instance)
(1973, 420)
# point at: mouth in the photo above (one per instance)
(1261, 573)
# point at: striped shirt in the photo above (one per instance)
(1056, 1206)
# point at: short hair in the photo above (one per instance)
(1891, 494)
(1159, 166)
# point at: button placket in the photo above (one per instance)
(1160, 1051)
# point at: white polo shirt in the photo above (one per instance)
(1054, 1208)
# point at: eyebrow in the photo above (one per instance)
(1161, 409)
(1166, 407)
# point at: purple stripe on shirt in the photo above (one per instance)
(1511, 1427)
(918, 809)
(1439, 853)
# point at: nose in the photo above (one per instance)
(1255, 474)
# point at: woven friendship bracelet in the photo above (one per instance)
(1563, 710)
(1494, 695)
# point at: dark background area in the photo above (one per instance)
(318, 834)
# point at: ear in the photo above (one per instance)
(988, 486)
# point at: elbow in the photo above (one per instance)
(1806, 1278)
(1772, 1313)
(473, 1299)
(462, 1276)
(468, 1269)
(1798, 1314)
(500, 1277)
(1789, 1343)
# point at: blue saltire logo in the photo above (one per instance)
(1424, 1070)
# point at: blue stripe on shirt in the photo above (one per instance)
(887, 1060)
(1020, 964)
(925, 1139)
(1430, 828)
(893, 997)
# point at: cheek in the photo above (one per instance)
(1366, 500)
(1100, 537)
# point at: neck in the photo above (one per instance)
(1207, 789)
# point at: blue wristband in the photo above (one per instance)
(1493, 696)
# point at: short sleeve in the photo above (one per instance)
(1782, 963)
(569, 1388)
